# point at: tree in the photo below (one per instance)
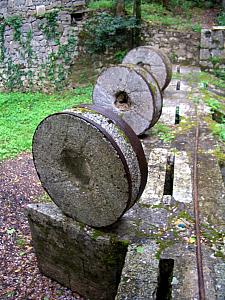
(137, 15)
(120, 8)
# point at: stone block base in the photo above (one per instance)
(76, 256)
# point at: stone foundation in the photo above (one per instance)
(83, 259)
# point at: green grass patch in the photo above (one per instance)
(164, 132)
(20, 114)
(101, 4)
(204, 78)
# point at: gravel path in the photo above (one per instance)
(19, 275)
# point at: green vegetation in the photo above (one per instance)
(164, 132)
(221, 19)
(101, 4)
(178, 15)
(21, 113)
(106, 31)
(52, 70)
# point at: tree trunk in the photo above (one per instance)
(120, 8)
(137, 31)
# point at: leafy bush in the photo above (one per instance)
(221, 19)
(105, 31)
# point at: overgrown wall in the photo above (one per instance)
(38, 42)
(212, 53)
(183, 47)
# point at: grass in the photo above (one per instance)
(21, 113)
(164, 132)
(204, 78)
(101, 4)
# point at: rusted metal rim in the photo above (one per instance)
(113, 143)
(133, 139)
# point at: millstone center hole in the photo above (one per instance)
(123, 101)
(76, 167)
(140, 63)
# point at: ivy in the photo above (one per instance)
(14, 75)
(49, 27)
(52, 70)
(15, 22)
(2, 48)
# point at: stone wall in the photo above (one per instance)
(212, 53)
(31, 7)
(182, 47)
(38, 42)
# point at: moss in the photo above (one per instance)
(219, 153)
(96, 233)
(163, 244)
(185, 125)
(219, 254)
(185, 215)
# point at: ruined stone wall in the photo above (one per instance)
(180, 46)
(212, 53)
(38, 42)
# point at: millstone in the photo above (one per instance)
(158, 99)
(154, 60)
(83, 168)
(127, 141)
(126, 92)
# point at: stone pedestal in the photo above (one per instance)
(86, 260)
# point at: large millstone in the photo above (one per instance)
(155, 89)
(127, 92)
(154, 60)
(88, 166)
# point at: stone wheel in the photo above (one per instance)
(128, 142)
(158, 98)
(91, 173)
(154, 60)
(126, 92)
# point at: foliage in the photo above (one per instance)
(214, 104)
(15, 22)
(21, 113)
(203, 79)
(221, 19)
(101, 4)
(164, 132)
(52, 70)
(217, 61)
(49, 24)
(218, 129)
(104, 31)
(119, 55)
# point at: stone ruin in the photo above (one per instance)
(92, 164)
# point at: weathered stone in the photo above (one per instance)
(140, 273)
(154, 60)
(182, 185)
(77, 181)
(127, 93)
(40, 10)
(83, 259)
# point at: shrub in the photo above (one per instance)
(105, 31)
